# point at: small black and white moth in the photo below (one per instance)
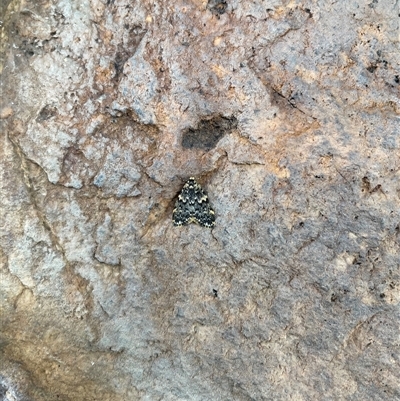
(192, 206)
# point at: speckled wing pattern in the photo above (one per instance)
(193, 206)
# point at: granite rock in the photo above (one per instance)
(287, 113)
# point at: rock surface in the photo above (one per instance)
(287, 113)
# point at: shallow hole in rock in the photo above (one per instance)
(208, 132)
(46, 113)
(217, 7)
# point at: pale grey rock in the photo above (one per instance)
(293, 114)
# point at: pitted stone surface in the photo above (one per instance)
(294, 294)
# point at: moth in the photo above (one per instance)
(193, 206)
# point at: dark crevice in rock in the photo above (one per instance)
(128, 48)
(46, 113)
(72, 275)
(3, 391)
(208, 132)
(290, 101)
(24, 166)
(217, 7)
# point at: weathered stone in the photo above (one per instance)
(288, 115)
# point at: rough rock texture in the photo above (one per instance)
(287, 113)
